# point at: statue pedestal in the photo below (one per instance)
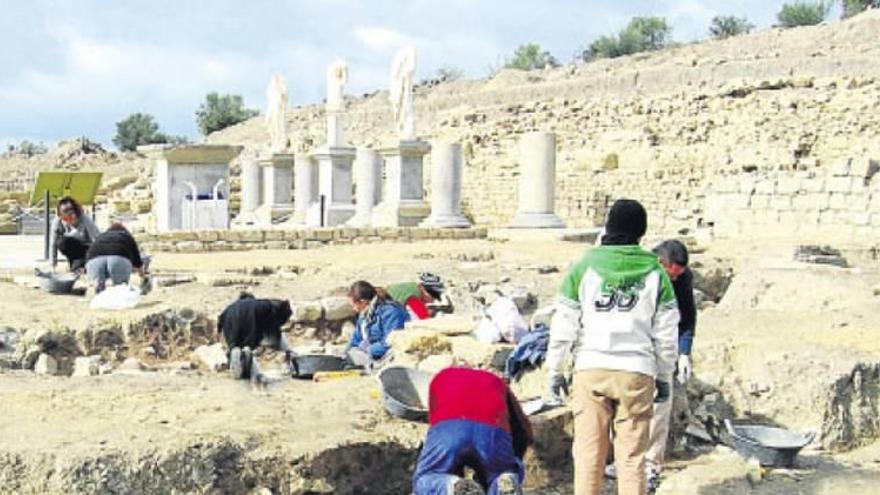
(404, 204)
(277, 184)
(537, 183)
(335, 183)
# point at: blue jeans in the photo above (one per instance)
(116, 268)
(453, 444)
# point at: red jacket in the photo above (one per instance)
(418, 308)
(480, 396)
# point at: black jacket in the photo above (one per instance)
(687, 308)
(246, 322)
(116, 243)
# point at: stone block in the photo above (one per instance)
(421, 343)
(337, 308)
(472, 352)
(814, 185)
(46, 365)
(841, 167)
(307, 312)
(760, 201)
(444, 324)
(212, 357)
(208, 235)
(189, 247)
(247, 235)
(862, 218)
(276, 245)
(747, 185)
(86, 366)
(765, 186)
(841, 184)
(864, 167)
(322, 234)
(293, 235)
(781, 202)
(788, 185)
(273, 235)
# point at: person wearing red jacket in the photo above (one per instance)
(476, 422)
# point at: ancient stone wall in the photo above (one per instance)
(243, 240)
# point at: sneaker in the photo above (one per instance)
(508, 484)
(652, 479)
(235, 368)
(611, 471)
(462, 486)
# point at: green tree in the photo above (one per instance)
(530, 56)
(137, 129)
(802, 13)
(221, 111)
(640, 35)
(725, 26)
(853, 7)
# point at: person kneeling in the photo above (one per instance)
(249, 323)
(476, 422)
(114, 255)
(377, 318)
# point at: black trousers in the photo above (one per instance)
(74, 250)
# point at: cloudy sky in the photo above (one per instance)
(75, 67)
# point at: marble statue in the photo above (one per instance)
(402, 72)
(337, 78)
(276, 106)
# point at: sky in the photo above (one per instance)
(76, 67)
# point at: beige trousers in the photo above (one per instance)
(603, 397)
(673, 410)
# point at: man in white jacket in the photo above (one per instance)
(617, 314)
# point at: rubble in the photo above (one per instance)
(212, 357)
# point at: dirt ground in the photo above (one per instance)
(773, 348)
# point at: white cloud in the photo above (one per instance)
(380, 38)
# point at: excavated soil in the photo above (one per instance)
(776, 343)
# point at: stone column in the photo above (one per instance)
(335, 134)
(404, 203)
(305, 190)
(277, 186)
(368, 186)
(446, 163)
(251, 185)
(335, 183)
(537, 182)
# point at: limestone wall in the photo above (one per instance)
(661, 127)
(243, 240)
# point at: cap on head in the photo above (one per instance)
(627, 217)
(432, 283)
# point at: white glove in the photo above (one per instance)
(685, 369)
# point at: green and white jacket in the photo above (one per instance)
(616, 311)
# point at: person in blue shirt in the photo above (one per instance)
(377, 317)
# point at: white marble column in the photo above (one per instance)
(335, 183)
(404, 195)
(277, 186)
(446, 163)
(251, 186)
(305, 191)
(368, 186)
(537, 182)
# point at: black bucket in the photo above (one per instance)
(57, 283)
(774, 447)
(307, 365)
(405, 392)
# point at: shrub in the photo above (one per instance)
(449, 74)
(802, 13)
(221, 111)
(853, 7)
(530, 56)
(640, 35)
(725, 26)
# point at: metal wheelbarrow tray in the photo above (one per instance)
(774, 447)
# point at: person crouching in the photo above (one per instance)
(249, 323)
(476, 422)
(377, 317)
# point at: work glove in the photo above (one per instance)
(662, 391)
(685, 369)
(558, 387)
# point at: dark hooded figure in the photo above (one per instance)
(249, 323)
